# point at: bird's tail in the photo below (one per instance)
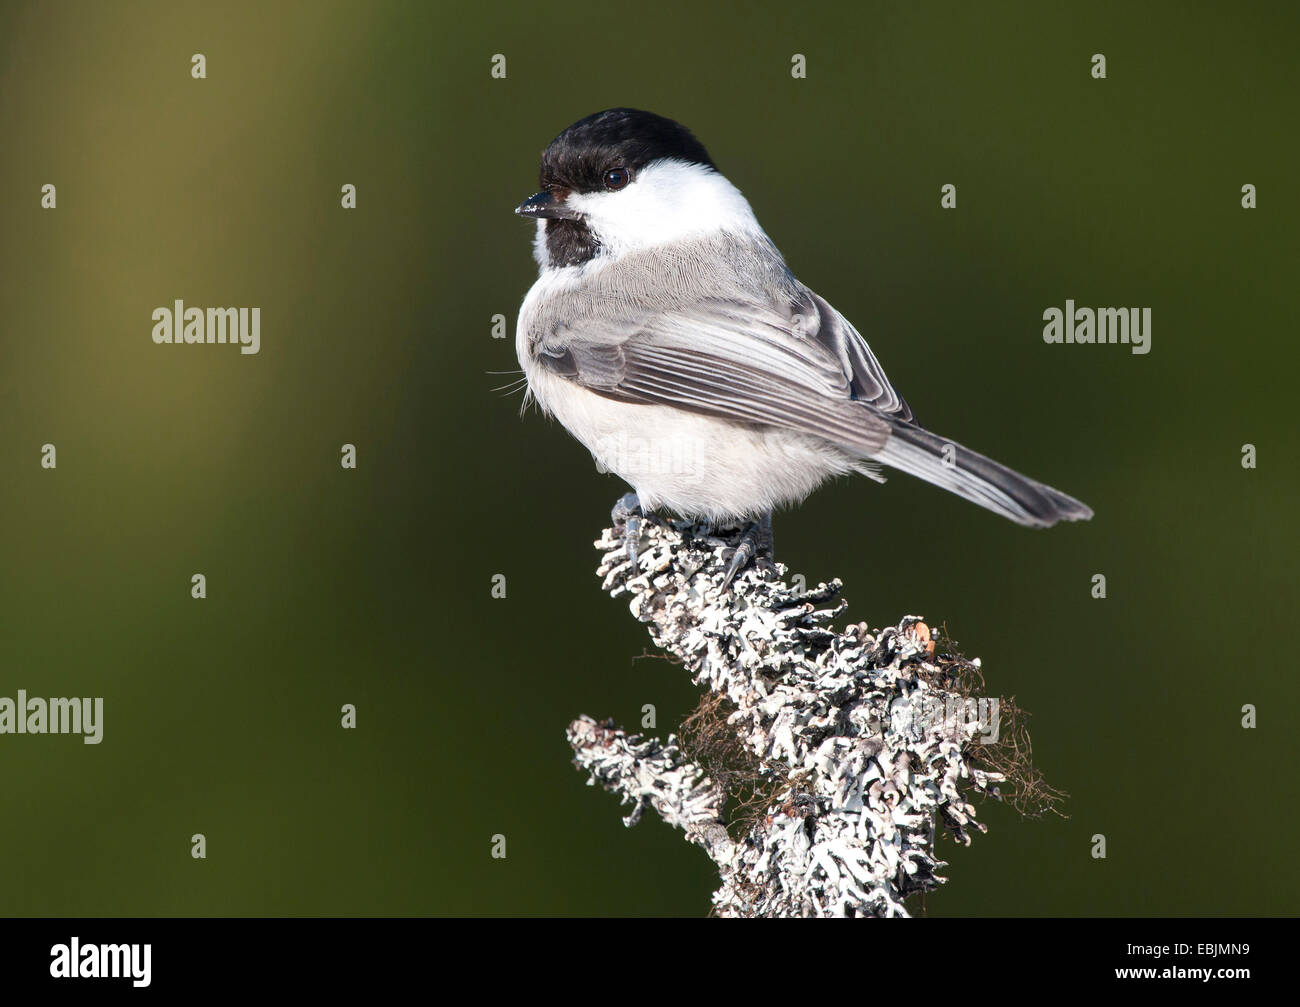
(978, 479)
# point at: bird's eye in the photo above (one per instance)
(617, 178)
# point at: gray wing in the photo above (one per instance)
(797, 364)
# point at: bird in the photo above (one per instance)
(666, 333)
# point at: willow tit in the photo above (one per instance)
(667, 334)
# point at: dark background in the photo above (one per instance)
(372, 586)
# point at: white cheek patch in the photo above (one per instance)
(667, 201)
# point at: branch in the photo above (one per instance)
(819, 761)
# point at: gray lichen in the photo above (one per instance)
(856, 742)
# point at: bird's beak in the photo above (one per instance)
(545, 205)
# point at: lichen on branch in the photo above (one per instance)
(820, 761)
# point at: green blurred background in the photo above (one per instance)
(373, 586)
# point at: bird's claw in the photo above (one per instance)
(627, 512)
(747, 549)
(741, 558)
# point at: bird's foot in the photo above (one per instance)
(756, 540)
(627, 514)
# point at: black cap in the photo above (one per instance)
(578, 158)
